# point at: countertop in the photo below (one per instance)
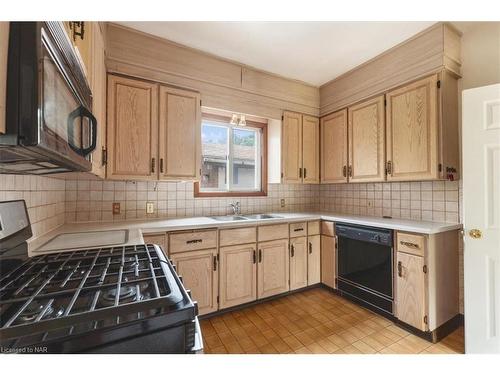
(137, 227)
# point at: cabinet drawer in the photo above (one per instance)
(272, 232)
(327, 228)
(192, 240)
(237, 236)
(155, 238)
(410, 243)
(312, 228)
(298, 229)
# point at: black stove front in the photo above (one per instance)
(116, 300)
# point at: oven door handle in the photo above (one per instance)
(82, 112)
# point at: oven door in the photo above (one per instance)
(67, 127)
(367, 265)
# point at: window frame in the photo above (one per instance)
(263, 160)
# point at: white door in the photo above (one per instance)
(481, 208)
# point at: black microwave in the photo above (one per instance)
(49, 123)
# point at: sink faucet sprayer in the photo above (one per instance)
(236, 208)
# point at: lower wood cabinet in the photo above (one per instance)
(298, 263)
(238, 275)
(313, 260)
(328, 261)
(410, 284)
(272, 268)
(200, 274)
(157, 239)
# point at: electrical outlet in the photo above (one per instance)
(116, 208)
(282, 202)
(150, 207)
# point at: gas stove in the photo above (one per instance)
(125, 299)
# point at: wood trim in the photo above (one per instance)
(263, 171)
(428, 52)
(222, 83)
(4, 46)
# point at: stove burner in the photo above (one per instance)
(34, 309)
(128, 293)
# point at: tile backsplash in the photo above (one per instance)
(92, 200)
(44, 196)
(426, 200)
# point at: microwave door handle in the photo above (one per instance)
(83, 112)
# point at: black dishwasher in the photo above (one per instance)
(365, 265)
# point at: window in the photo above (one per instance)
(232, 158)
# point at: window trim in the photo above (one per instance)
(263, 162)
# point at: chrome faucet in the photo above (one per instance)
(236, 208)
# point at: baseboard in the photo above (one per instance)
(257, 302)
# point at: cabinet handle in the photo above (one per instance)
(298, 229)
(310, 248)
(254, 257)
(400, 269)
(344, 171)
(215, 262)
(161, 165)
(389, 167)
(350, 171)
(300, 172)
(153, 163)
(305, 172)
(409, 244)
(260, 255)
(292, 251)
(193, 241)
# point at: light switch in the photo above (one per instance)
(150, 207)
(282, 202)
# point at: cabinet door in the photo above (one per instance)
(298, 263)
(180, 134)
(334, 147)
(310, 149)
(291, 148)
(238, 275)
(367, 141)
(410, 290)
(4, 46)
(313, 260)
(272, 268)
(412, 131)
(132, 129)
(199, 274)
(83, 45)
(328, 261)
(98, 84)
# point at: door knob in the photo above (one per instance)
(475, 233)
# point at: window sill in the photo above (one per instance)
(222, 194)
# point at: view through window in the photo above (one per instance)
(230, 158)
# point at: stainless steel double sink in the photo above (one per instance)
(245, 217)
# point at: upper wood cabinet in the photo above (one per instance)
(291, 150)
(98, 86)
(300, 148)
(180, 135)
(272, 268)
(238, 275)
(412, 131)
(334, 147)
(310, 149)
(200, 274)
(366, 134)
(4, 46)
(132, 132)
(154, 132)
